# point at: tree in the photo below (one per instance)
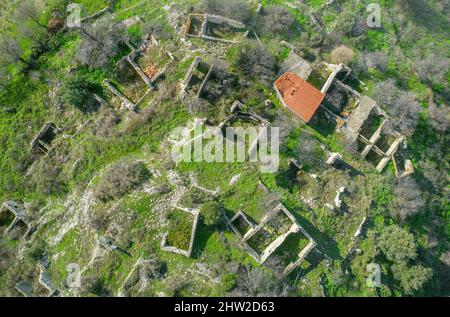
(351, 23)
(277, 20)
(408, 199)
(411, 278)
(376, 60)
(433, 68)
(11, 52)
(101, 41)
(233, 9)
(211, 214)
(386, 92)
(397, 244)
(342, 54)
(402, 105)
(439, 117)
(254, 61)
(255, 282)
(406, 111)
(30, 10)
(78, 90)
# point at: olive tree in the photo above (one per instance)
(411, 278)
(397, 244)
(79, 91)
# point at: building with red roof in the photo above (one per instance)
(298, 95)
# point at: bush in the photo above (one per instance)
(211, 214)
(397, 244)
(351, 23)
(308, 151)
(105, 125)
(120, 178)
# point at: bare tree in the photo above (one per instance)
(402, 105)
(439, 117)
(433, 68)
(407, 112)
(376, 60)
(101, 41)
(335, 99)
(30, 10)
(234, 9)
(255, 61)
(386, 92)
(255, 282)
(408, 199)
(277, 19)
(11, 52)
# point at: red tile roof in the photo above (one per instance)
(298, 95)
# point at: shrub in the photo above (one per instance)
(120, 178)
(105, 125)
(49, 177)
(397, 244)
(351, 23)
(308, 151)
